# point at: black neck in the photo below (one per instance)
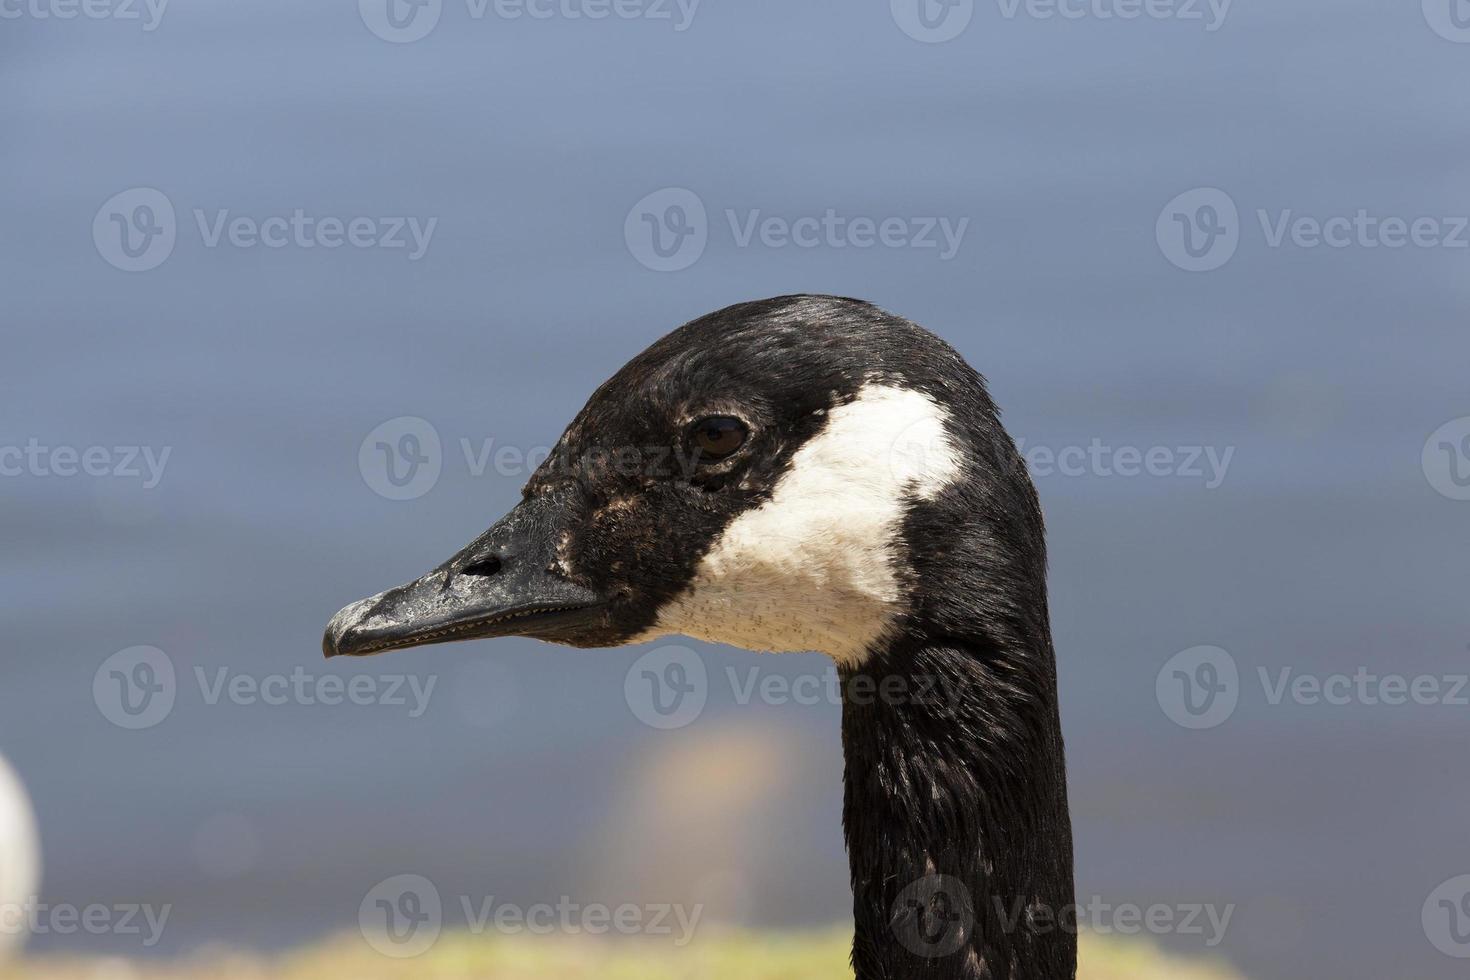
(956, 816)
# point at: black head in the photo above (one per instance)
(799, 473)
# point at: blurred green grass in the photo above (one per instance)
(734, 956)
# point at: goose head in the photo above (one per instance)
(810, 473)
(798, 474)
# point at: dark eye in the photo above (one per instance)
(718, 436)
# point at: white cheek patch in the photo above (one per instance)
(816, 566)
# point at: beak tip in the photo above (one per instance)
(332, 640)
(341, 629)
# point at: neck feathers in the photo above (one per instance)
(956, 816)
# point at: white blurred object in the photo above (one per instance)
(20, 859)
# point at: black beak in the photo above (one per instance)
(506, 583)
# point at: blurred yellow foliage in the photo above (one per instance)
(735, 956)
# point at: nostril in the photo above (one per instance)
(483, 567)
